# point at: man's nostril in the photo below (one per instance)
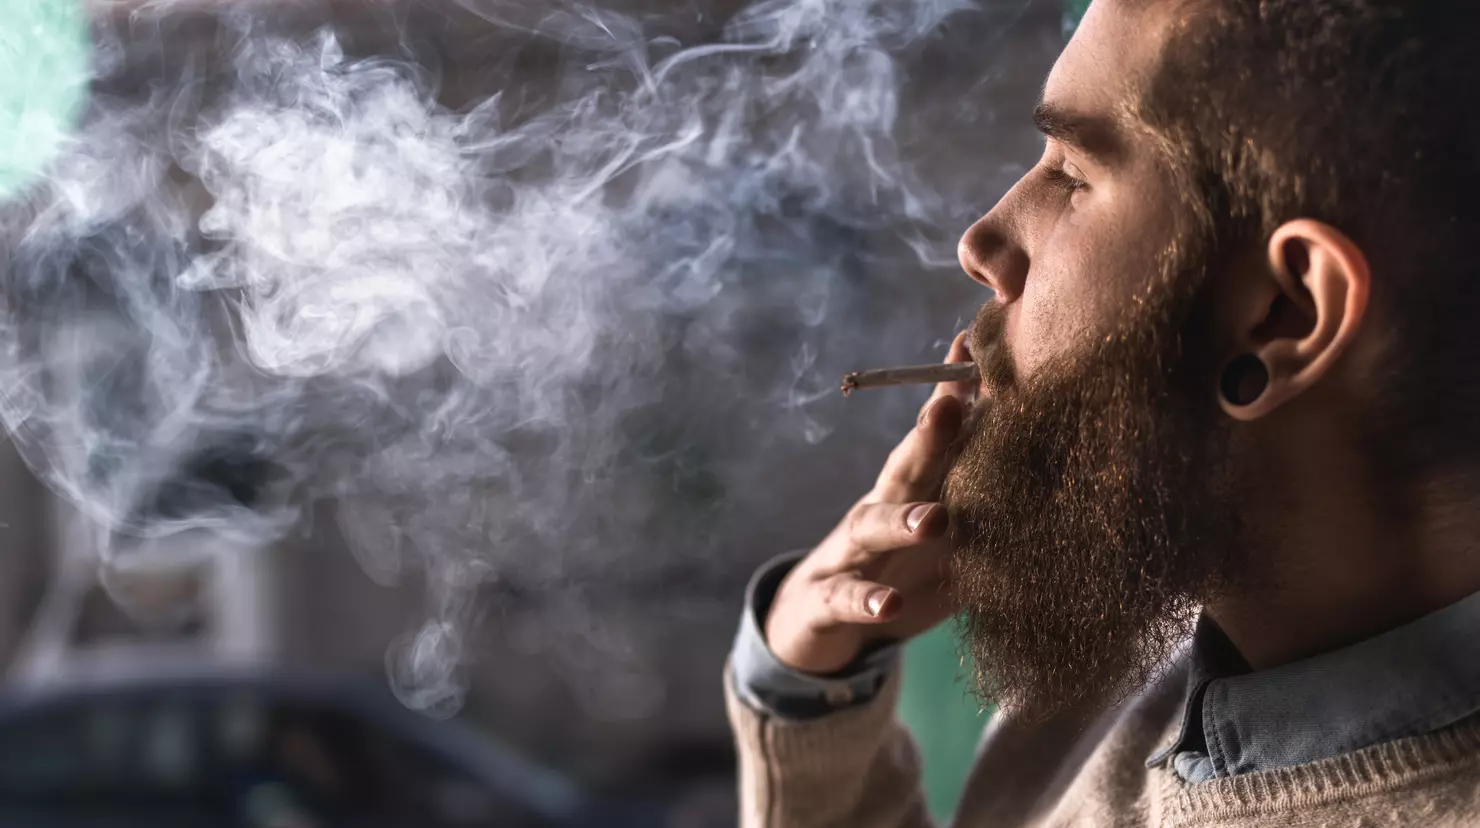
(991, 257)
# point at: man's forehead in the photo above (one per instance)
(1115, 46)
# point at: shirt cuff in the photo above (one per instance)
(768, 686)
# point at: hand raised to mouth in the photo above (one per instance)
(883, 572)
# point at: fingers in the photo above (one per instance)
(915, 467)
(875, 528)
(964, 390)
(849, 599)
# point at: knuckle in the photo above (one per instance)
(899, 475)
(899, 516)
(832, 592)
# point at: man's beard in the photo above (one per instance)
(1090, 508)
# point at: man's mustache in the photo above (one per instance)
(989, 348)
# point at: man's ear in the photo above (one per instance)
(1301, 317)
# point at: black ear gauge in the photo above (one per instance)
(1244, 380)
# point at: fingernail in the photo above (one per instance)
(929, 409)
(875, 601)
(917, 515)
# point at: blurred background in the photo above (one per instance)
(401, 392)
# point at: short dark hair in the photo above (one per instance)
(1356, 113)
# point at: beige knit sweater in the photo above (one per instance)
(860, 769)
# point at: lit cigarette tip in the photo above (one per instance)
(912, 375)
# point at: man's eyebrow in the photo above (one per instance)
(1093, 135)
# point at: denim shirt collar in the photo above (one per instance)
(1411, 680)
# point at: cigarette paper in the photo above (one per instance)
(912, 375)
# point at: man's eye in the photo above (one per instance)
(1062, 178)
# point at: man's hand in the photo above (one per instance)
(884, 571)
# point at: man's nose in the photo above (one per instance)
(989, 255)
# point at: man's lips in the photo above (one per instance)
(987, 344)
(984, 359)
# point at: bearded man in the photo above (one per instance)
(1212, 520)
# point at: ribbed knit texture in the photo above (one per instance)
(860, 769)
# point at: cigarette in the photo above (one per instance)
(913, 375)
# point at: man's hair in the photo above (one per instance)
(1358, 113)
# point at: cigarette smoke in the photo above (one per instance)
(514, 342)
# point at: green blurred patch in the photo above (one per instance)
(936, 704)
(44, 56)
(1073, 12)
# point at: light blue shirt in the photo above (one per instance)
(769, 686)
(1411, 680)
(1414, 679)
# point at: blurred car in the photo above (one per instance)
(239, 751)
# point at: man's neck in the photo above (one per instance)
(1340, 558)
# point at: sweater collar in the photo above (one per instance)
(1411, 680)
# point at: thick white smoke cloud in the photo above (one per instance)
(309, 279)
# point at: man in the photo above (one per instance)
(1211, 526)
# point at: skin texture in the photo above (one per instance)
(1114, 325)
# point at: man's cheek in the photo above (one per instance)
(1048, 322)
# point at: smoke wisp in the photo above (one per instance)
(515, 344)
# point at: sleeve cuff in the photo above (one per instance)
(766, 685)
